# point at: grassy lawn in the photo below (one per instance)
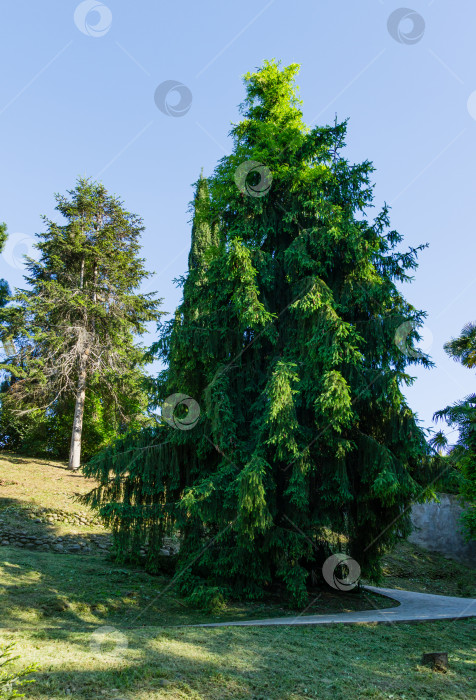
(55, 607)
(332, 662)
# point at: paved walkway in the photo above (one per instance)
(413, 607)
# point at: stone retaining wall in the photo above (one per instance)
(437, 527)
(70, 544)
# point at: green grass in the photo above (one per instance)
(27, 485)
(54, 590)
(285, 662)
(52, 605)
(415, 569)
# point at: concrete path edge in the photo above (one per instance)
(414, 607)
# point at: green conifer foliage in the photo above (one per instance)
(75, 328)
(462, 415)
(305, 445)
(4, 288)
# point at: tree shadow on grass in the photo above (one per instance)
(44, 463)
(14, 514)
(54, 589)
(87, 590)
(23, 604)
(335, 662)
(15, 458)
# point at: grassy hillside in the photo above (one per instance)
(415, 569)
(37, 489)
(56, 606)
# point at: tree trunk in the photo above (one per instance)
(75, 449)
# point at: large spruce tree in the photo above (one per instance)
(285, 338)
(75, 326)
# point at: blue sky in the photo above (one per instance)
(77, 98)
